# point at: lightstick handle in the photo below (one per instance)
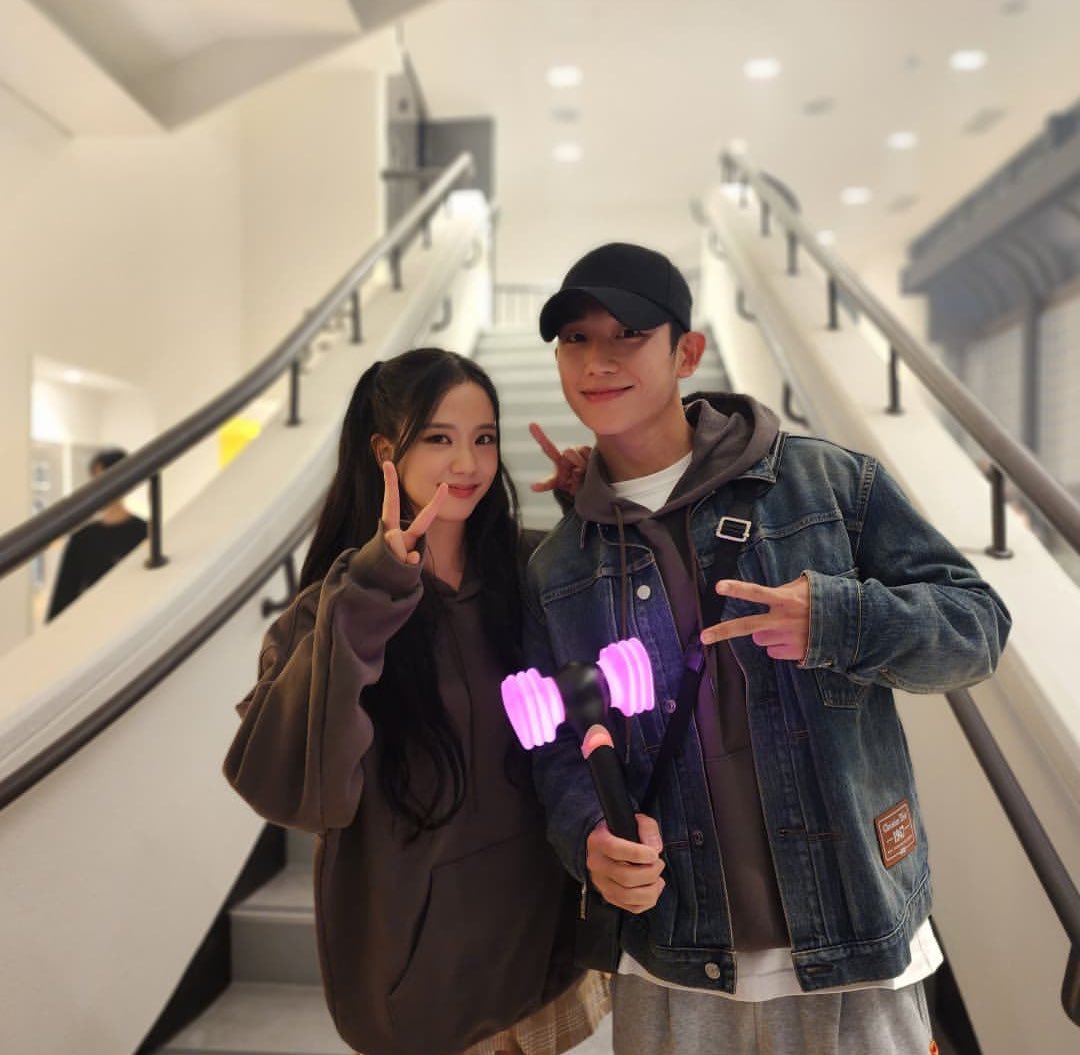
(610, 784)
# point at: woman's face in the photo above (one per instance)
(458, 447)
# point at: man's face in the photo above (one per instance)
(618, 380)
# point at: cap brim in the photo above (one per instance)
(639, 313)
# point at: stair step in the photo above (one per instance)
(262, 1019)
(273, 931)
(299, 847)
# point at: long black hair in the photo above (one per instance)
(397, 399)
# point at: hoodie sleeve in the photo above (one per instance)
(918, 617)
(296, 758)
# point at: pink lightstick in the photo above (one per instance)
(581, 693)
(620, 678)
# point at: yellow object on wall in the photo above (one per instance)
(234, 436)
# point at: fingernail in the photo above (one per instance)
(721, 586)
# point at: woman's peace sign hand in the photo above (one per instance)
(402, 541)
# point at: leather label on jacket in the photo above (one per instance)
(896, 833)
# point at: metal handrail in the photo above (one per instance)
(1048, 496)
(1044, 859)
(59, 750)
(1052, 500)
(21, 543)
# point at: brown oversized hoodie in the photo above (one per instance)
(731, 433)
(425, 945)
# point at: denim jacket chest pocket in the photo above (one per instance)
(583, 609)
(780, 550)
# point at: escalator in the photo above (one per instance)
(124, 839)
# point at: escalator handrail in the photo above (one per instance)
(1047, 495)
(20, 543)
(59, 750)
(1060, 508)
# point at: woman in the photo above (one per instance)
(377, 724)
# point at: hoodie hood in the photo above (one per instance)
(731, 434)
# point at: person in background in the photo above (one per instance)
(443, 915)
(778, 900)
(93, 549)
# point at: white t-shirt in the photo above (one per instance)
(769, 973)
(652, 491)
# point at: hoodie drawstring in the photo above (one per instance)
(624, 603)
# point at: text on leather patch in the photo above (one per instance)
(896, 833)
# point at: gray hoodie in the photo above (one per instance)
(731, 433)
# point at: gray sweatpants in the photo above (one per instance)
(653, 1020)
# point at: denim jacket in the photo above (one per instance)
(893, 605)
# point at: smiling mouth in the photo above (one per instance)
(603, 395)
(462, 491)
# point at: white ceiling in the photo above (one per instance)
(138, 38)
(664, 90)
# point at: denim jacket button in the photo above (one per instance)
(644, 592)
(669, 706)
(697, 838)
(712, 970)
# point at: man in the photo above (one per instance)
(779, 900)
(93, 550)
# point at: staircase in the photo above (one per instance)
(275, 1004)
(527, 380)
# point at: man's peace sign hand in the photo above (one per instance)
(569, 464)
(402, 541)
(783, 631)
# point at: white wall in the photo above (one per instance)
(173, 261)
(62, 413)
(311, 148)
(124, 258)
(527, 252)
(26, 143)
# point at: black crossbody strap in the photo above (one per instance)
(734, 530)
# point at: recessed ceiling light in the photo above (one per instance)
(73, 377)
(968, 60)
(826, 237)
(738, 147)
(902, 202)
(564, 76)
(567, 153)
(566, 115)
(820, 105)
(902, 141)
(984, 120)
(855, 195)
(762, 69)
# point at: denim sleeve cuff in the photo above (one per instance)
(835, 621)
(579, 868)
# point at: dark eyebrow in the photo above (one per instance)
(449, 426)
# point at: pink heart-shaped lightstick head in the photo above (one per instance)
(535, 705)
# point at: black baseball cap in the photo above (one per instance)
(639, 286)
